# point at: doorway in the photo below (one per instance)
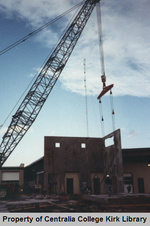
(96, 184)
(69, 185)
(141, 185)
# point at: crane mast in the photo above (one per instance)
(44, 83)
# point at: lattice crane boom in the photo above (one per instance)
(44, 83)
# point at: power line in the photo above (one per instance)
(39, 29)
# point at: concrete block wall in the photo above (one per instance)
(72, 154)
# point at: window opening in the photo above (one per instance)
(83, 145)
(57, 145)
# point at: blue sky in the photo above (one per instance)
(126, 49)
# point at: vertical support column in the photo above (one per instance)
(119, 161)
(113, 161)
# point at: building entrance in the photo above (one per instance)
(96, 183)
(69, 185)
(141, 185)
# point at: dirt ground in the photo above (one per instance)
(87, 203)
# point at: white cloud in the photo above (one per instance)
(126, 43)
(132, 134)
(35, 72)
(126, 48)
(35, 11)
(3, 130)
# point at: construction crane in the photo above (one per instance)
(44, 83)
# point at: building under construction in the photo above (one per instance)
(72, 165)
(69, 163)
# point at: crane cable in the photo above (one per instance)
(17, 102)
(13, 45)
(102, 118)
(99, 24)
(112, 108)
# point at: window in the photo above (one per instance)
(109, 141)
(57, 145)
(83, 145)
(10, 176)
